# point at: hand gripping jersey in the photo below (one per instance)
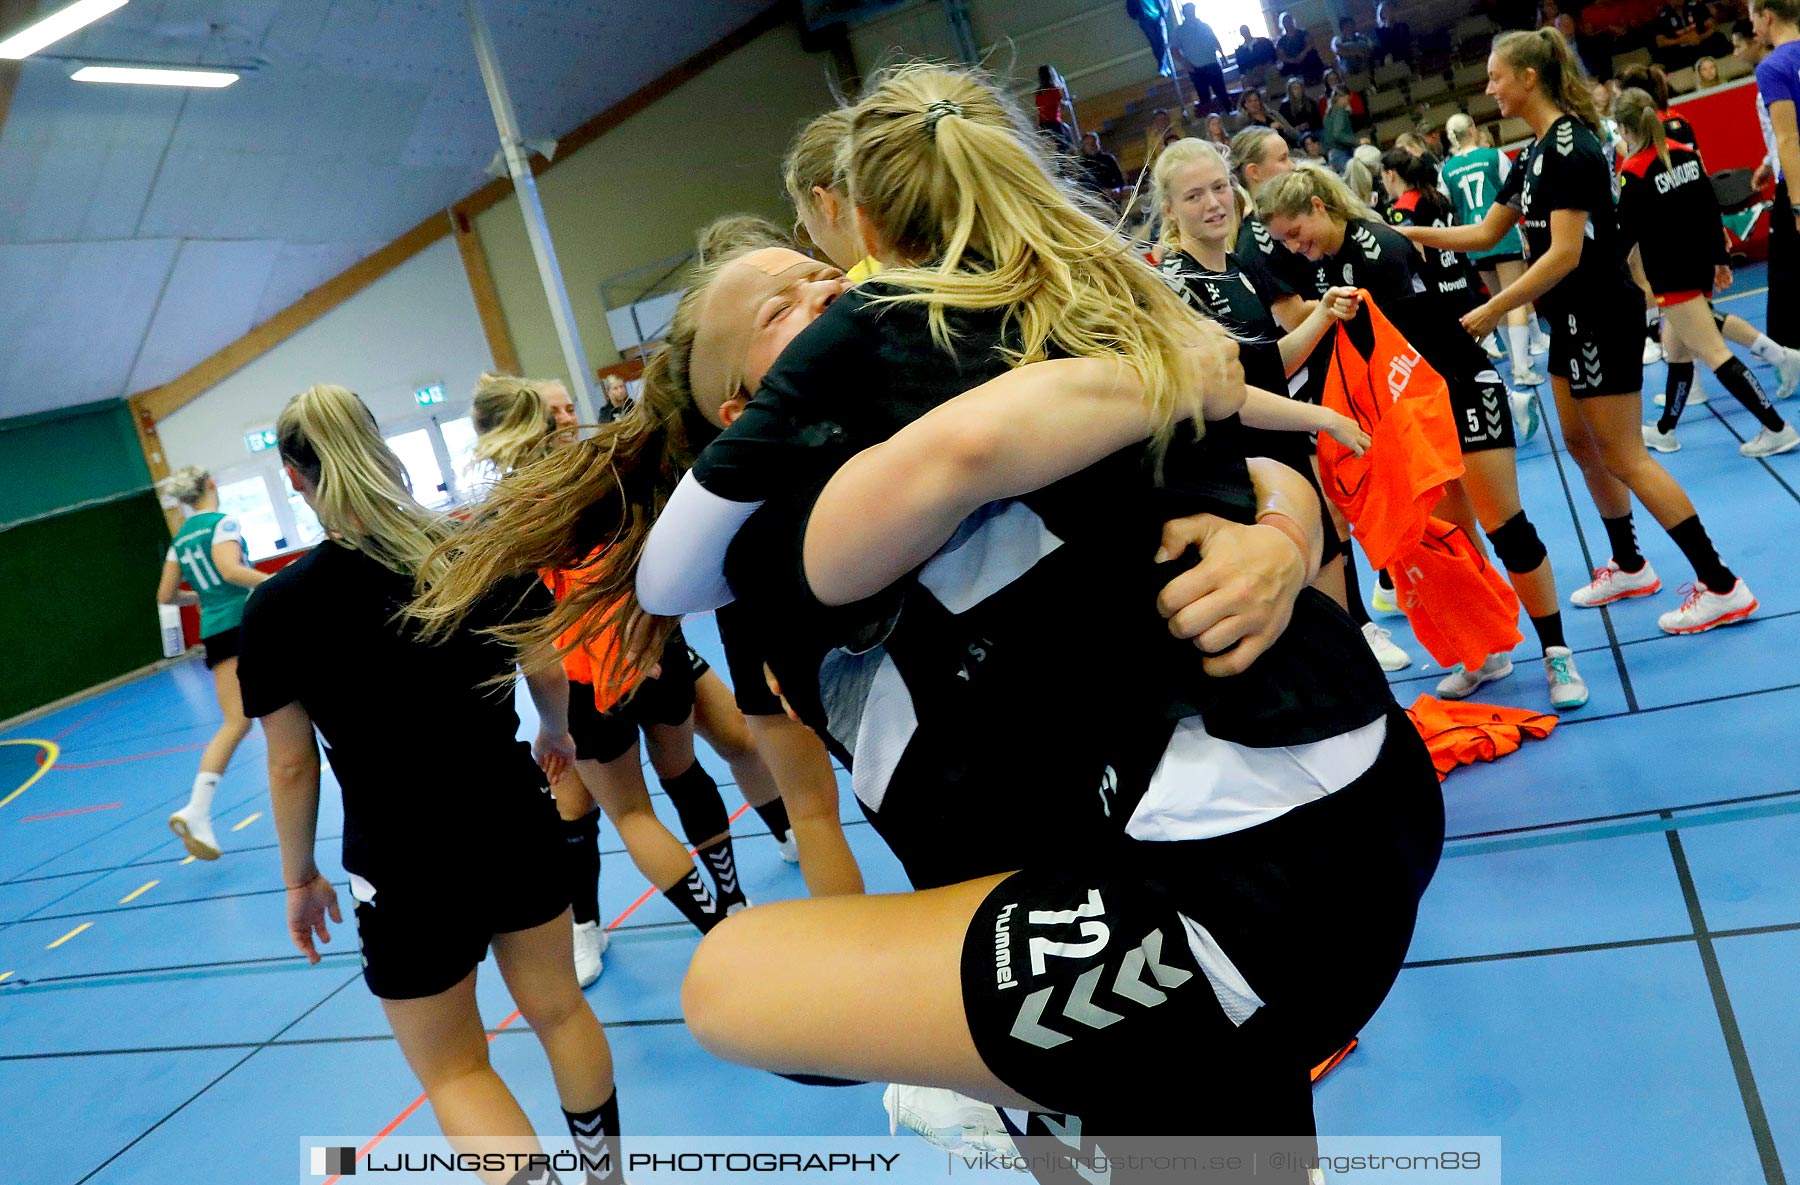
(221, 602)
(1473, 179)
(1568, 170)
(1672, 214)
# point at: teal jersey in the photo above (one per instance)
(221, 602)
(1473, 180)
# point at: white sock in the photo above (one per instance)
(204, 785)
(1518, 340)
(1767, 350)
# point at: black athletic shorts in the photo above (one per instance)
(220, 646)
(1601, 349)
(1074, 975)
(1483, 412)
(698, 665)
(744, 658)
(666, 699)
(1488, 263)
(423, 932)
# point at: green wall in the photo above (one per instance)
(82, 538)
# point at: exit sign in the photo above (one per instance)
(259, 440)
(426, 396)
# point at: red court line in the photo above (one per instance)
(97, 712)
(401, 1118)
(133, 757)
(80, 810)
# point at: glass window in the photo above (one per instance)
(305, 521)
(459, 442)
(248, 500)
(415, 452)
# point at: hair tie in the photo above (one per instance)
(938, 110)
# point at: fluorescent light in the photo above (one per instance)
(56, 26)
(146, 76)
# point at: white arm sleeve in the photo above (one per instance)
(683, 567)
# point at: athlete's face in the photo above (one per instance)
(562, 411)
(617, 394)
(1314, 234)
(752, 310)
(1510, 88)
(1201, 202)
(1276, 161)
(1391, 182)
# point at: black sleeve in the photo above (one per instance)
(1256, 255)
(267, 667)
(1576, 175)
(1634, 208)
(1512, 186)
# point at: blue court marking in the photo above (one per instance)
(1759, 971)
(1744, 872)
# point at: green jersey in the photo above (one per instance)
(221, 602)
(1473, 180)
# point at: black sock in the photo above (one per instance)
(541, 1175)
(596, 1135)
(1735, 377)
(581, 865)
(1675, 395)
(775, 818)
(1623, 537)
(695, 901)
(1359, 612)
(1384, 580)
(1711, 571)
(722, 863)
(1549, 630)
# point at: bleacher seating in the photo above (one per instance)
(1426, 89)
(1391, 73)
(1383, 102)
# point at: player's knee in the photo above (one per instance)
(1517, 544)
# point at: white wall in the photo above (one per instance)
(415, 325)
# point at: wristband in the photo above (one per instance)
(1295, 532)
(317, 875)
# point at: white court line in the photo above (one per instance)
(1741, 295)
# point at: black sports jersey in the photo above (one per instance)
(1672, 214)
(1679, 130)
(1447, 273)
(1012, 699)
(322, 633)
(1230, 298)
(1277, 273)
(1568, 169)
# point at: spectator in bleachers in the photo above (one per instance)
(1163, 129)
(1254, 53)
(1547, 14)
(1353, 48)
(1685, 30)
(1706, 72)
(1052, 98)
(1149, 17)
(1340, 138)
(1100, 170)
(1295, 51)
(1411, 143)
(1359, 110)
(1393, 37)
(1312, 148)
(1253, 111)
(1298, 109)
(1216, 133)
(1197, 47)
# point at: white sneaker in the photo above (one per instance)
(1652, 352)
(1696, 398)
(947, 1120)
(1382, 601)
(1703, 609)
(1527, 418)
(1789, 370)
(1524, 376)
(1491, 343)
(1767, 444)
(1540, 341)
(195, 829)
(1462, 682)
(590, 943)
(789, 848)
(1610, 584)
(1381, 644)
(1662, 442)
(1567, 688)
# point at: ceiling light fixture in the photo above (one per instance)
(155, 76)
(56, 26)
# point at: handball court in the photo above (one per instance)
(1603, 973)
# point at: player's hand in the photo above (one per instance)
(555, 754)
(1239, 598)
(1482, 321)
(308, 905)
(775, 690)
(1341, 304)
(1763, 177)
(1348, 433)
(1721, 277)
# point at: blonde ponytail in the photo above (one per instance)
(361, 492)
(1636, 114)
(1560, 74)
(1459, 129)
(511, 420)
(186, 485)
(1292, 194)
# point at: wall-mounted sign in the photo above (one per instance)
(426, 396)
(261, 439)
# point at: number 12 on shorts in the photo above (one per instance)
(1094, 932)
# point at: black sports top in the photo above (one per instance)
(1672, 215)
(1567, 170)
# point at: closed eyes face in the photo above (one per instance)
(752, 310)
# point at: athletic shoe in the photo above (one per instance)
(195, 829)
(1703, 609)
(1652, 352)
(1567, 688)
(1462, 682)
(590, 943)
(947, 1120)
(1382, 601)
(1767, 444)
(1696, 397)
(789, 848)
(1540, 341)
(1381, 644)
(1662, 442)
(1789, 370)
(1524, 376)
(1527, 419)
(1491, 343)
(1610, 584)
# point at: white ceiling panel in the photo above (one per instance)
(301, 267)
(207, 304)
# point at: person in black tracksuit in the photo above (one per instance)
(1662, 186)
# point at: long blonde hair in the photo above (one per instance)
(1179, 155)
(1635, 111)
(1292, 194)
(948, 175)
(1459, 130)
(1559, 71)
(587, 509)
(814, 159)
(361, 492)
(186, 485)
(511, 420)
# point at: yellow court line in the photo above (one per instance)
(5, 975)
(69, 935)
(189, 860)
(253, 818)
(52, 751)
(139, 891)
(1739, 295)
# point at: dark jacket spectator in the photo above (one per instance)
(1296, 53)
(1393, 37)
(1255, 53)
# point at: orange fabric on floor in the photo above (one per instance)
(1460, 607)
(1458, 732)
